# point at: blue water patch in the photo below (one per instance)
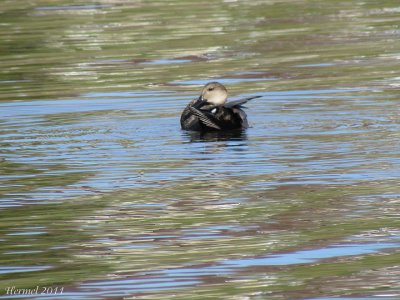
(23, 252)
(129, 94)
(310, 256)
(22, 269)
(204, 271)
(316, 92)
(28, 233)
(299, 257)
(130, 286)
(15, 81)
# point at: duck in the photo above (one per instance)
(212, 112)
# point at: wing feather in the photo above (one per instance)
(239, 102)
(203, 118)
(242, 115)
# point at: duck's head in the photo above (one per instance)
(214, 93)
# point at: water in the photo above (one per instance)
(103, 196)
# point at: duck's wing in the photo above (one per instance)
(240, 102)
(206, 119)
(242, 115)
(188, 120)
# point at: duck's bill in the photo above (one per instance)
(199, 102)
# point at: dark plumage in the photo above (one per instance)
(211, 112)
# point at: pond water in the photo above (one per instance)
(103, 196)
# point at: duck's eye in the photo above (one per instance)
(210, 88)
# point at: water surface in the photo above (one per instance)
(103, 194)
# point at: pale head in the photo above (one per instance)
(214, 93)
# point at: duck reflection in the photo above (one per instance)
(213, 136)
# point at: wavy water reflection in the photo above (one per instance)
(103, 194)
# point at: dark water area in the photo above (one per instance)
(103, 196)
